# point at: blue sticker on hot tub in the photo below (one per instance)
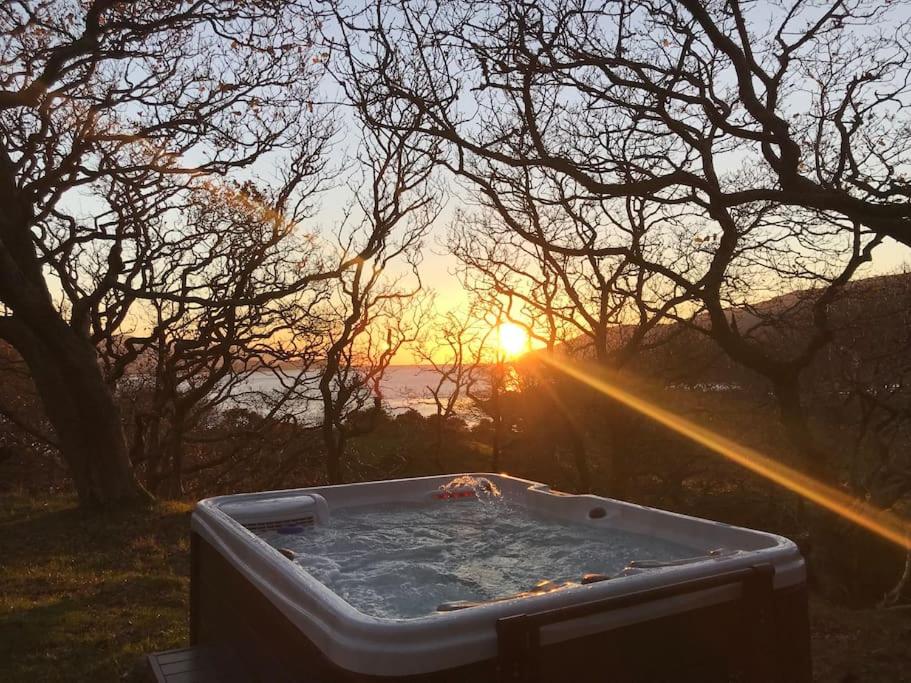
(290, 529)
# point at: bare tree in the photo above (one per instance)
(374, 312)
(863, 381)
(199, 349)
(545, 256)
(121, 107)
(453, 349)
(671, 106)
(491, 376)
(723, 105)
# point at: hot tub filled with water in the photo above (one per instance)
(490, 578)
(407, 560)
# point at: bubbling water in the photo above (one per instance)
(467, 486)
(407, 560)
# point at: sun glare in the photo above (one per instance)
(512, 338)
(883, 522)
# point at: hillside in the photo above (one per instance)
(870, 320)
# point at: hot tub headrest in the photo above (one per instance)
(272, 513)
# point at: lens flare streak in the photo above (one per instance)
(881, 522)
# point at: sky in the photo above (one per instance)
(437, 269)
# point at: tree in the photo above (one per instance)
(546, 258)
(453, 348)
(490, 378)
(575, 106)
(862, 379)
(122, 106)
(202, 345)
(727, 106)
(373, 314)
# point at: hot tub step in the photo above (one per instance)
(195, 665)
(207, 665)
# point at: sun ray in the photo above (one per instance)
(882, 522)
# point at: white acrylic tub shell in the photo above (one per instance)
(398, 647)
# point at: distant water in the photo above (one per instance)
(402, 387)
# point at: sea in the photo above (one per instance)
(403, 387)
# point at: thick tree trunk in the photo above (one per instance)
(797, 426)
(84, 415)
(614, 442)
(335, 449)
(580, 457)
(62, 361)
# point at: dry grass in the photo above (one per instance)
(860, 645)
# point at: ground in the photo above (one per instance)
(84, 597)
(859, 645)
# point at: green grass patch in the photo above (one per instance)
(84, 596)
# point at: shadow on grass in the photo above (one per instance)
(85, 596)
(47, 530)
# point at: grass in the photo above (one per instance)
(83, 597)
(860, 645)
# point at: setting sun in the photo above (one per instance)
(513, 339)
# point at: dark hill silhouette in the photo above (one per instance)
(870, 322)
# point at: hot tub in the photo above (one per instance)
(430, 579)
